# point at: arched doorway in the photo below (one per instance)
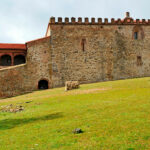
(43, 85)
(19, 59)
(5, 60)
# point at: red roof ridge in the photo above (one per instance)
(12, 46)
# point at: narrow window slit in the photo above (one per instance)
(83, 44)
(135, 35)
(139, 61)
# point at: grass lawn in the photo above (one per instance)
(113, 115)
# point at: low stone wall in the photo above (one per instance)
(12, 80)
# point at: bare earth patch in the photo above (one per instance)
(91, 91)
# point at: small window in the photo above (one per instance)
(83, 44)
(139, 61)
(119, 27)
(135, 35)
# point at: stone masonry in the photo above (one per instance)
(89, 51)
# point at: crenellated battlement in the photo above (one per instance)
(98, 21)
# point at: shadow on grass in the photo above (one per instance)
(12, 123)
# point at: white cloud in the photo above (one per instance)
(26, 20)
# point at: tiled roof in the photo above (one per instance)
(12, 46)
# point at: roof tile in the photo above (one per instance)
(12, 46)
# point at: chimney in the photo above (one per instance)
(127, 14)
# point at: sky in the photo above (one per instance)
(25, 20)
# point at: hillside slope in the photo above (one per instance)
(113, 115)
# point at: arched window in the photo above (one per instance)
(19, 59)
(43, 85)
(5, 60)
(138, 33)
(135, 35)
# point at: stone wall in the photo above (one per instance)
(39, 61)
(110, 52)
(13, 81)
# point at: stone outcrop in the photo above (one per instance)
(12, 108)
(70, 85)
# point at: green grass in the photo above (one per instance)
(113, 115)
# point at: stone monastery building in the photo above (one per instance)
(82, 50)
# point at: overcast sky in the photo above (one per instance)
(25, 20)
